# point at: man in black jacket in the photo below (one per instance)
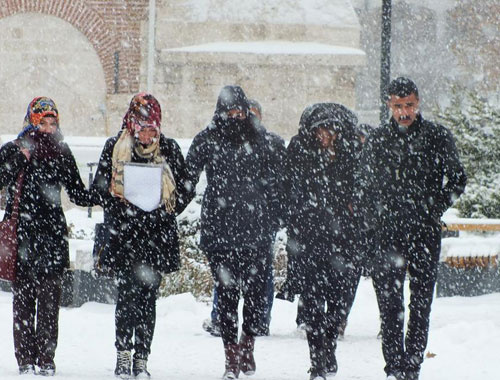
(410, 175)
(237, 219)
(277, 146)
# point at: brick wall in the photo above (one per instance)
(113, 27)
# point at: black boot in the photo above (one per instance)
(317, 355)
(330, 358)
(316, 375)
(247, 360)
(47, 369)
(232, 364)
(123, 361)
(27, 369)
(140, 368)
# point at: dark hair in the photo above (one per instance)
(402, 87)
(364, 129)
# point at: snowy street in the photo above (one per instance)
(464, 336)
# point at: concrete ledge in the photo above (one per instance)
(467, 281)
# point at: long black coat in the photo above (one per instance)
(321, 227)
(408, 179)
(240, 206)
(139, 237)
(42, 231)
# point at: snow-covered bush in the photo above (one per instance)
(475, 124)
(194, 275)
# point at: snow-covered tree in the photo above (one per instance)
(475, 124)
(475, 42)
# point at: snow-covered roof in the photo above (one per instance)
(270, 47)
(317, 12)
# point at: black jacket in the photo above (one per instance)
(409, 178)
(239, 209)
(42, 231)
(140, 237)
(321, 227)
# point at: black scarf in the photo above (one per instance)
(235, 130)
(45, 146)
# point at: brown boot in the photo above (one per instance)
(232, 362)
(247, 361)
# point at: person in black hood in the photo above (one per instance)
(42, 233)
(237, 221)
(410, 173)
(277, 144)
(321, 225)
(365, 242)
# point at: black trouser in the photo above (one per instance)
(136, 312)
(417, 252)
(350, 289)
(326, 284)
(242, 271)
(36, 296)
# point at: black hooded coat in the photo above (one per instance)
(242, 166)
(42, 232)
(321, 227)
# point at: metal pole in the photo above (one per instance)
(91, 179)
(385, 58)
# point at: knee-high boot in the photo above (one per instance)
(247, 361)
(330, 358)
(232, 364)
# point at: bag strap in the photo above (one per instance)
(17, 195)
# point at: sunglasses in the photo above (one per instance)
(142, 124)
(44, 105)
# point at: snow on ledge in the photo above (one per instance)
(473, 246)
(270, 48)
(453, 220)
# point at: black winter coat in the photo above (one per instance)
(409, 178)
(42, 231)
(241, 202)
(140, 238)
(321, 227)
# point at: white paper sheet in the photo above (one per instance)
(142, 185)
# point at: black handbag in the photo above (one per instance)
(102, 252)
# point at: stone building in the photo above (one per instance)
(90, 56)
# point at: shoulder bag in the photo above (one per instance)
(8, 236)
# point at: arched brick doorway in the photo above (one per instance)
(84, 18)
(46, 55)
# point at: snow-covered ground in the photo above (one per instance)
(464, 337)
